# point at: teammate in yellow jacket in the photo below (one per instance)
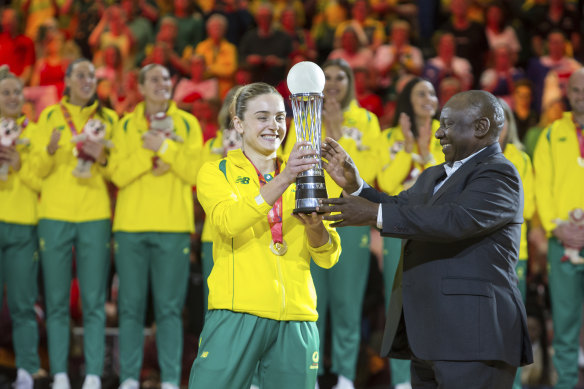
(559, 173)
(357, 130)
(262, 302)
(404, 151)
(75, 213)
(154, 166)
(18, 235)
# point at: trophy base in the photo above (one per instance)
(310, 189)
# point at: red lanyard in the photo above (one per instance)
(69, 119)
(580, 137)
(275, 214)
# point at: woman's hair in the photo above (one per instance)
(94, 98)
(146, 69)
(404, 104)
(224, 118)
(346, 68)
(244, 94)
(512, 134)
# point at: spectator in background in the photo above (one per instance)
(551, 72)
(163, 51)
(302, 43)
(471, 42)
(111, 67)
(324, 26)
(447, 64)
(84, 17)
(220, 55)
(140, 26)
(50, 68)
(36, 12)
(555, 15)
(524, 115)
(498, 30)
(190, 89)
(74, 213)
(123, 100)
(448, 88)
(190, 26)
(362, 20)
(113, 30)
(499, 78)
(239, 19)
(397, 58)
(265, 49)
(364, 86)
(16, 49)
(353, 49)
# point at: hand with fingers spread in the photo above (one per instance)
(352, 211)
(340, 166)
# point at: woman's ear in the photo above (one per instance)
(238, 125)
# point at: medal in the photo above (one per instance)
(279, 248)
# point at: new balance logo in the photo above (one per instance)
(242, 180)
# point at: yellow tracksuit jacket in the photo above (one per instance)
(559, 177)
(247, 276)
(63, 196)
(212, 151)
(523, 164)
(397, 168)
(361, 132)
(19, 194)
(147, 202)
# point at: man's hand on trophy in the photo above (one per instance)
(340, 166)
(303, 157)
(349, 211)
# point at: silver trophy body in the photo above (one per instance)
(310, 185)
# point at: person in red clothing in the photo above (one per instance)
(16, 49)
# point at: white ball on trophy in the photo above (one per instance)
(305, 77)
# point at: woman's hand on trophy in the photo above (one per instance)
(340, 166)
(303, 157)
(315, 230)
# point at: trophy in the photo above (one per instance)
(306, 82)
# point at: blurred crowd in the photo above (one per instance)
(523, 52)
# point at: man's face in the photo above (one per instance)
(576, 92)
(456, 132)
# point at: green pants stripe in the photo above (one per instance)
(400, 368)
(566, 282)
(91, 241)
(18, 271)
(340, 290)
(521, 270)
(232, 344)
(161, 260)
(206, 267)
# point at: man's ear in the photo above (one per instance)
(482, 126)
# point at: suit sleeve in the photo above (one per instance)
(229, 213)
(489, 201)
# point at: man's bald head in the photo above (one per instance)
(482, 104)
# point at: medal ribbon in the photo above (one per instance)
(69, 119)
(275, 214)
(580, 138)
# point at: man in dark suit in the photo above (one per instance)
(455, 309)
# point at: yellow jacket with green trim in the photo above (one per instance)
(19, 194)
(148, 202)
(523, 164)
(558, 173)
(247, 276)
(398, 169)
(63, 196)
(212, 151)
(360, 134)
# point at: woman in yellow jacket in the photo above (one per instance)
(262, 302)
(357, 130)
(18, 236)
(74, 212)
(404, 151)
(227, 139)
(513, 151)
(154, 165)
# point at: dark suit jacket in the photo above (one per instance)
(455, 294)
